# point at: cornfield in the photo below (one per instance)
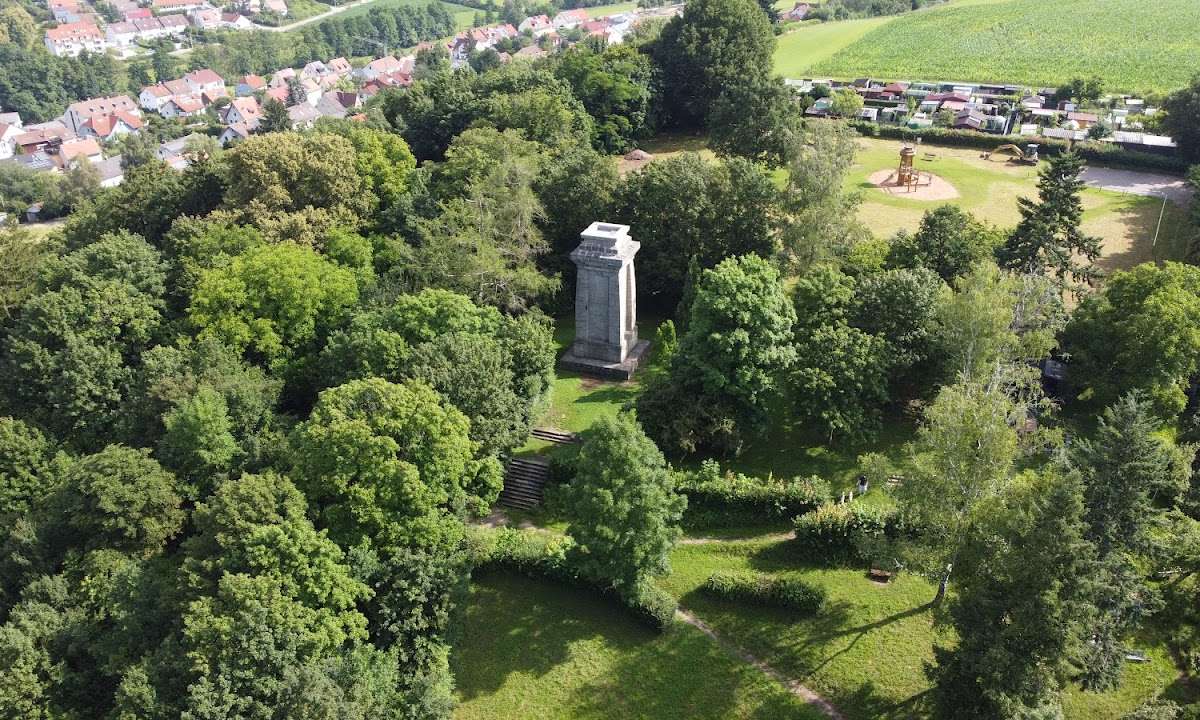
(1133, 45)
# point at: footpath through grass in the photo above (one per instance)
(531, 649)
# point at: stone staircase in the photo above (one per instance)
(524, 479)
(560, 437)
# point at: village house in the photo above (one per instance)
(250, 84)
(278, 94)
(121, 34)
(244, 111)
(150, 28)
(537, 25)
(8, 139)
(110, 126)
(235, 132)
(174, 25)
(111, 172)
(303, 116)
(799, 12)
(176, 6)
(37, 137)
(570, 18)
(235, 21)
(77, 149)
(179, 106)
(205, 81)
(71, 39)
(340, 66)
(205, 17)
(79, 113)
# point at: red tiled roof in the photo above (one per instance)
(74, 31)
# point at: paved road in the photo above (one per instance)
(1139, 183)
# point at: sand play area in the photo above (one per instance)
(930, 187)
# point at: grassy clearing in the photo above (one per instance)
(1135, 45)
(866, 652)
(989, 189)
(463, 15)
(529, 649)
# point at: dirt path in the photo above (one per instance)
(793, 686)
(1136, 182)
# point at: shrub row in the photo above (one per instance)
(548, 557)
(731, 499)
(842, 532)
(765, 590)
(1104, 153)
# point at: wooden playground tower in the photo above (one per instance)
(907, 176)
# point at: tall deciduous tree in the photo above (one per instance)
(738, 340)
(713, 45)
(380, 459)
(623, 506)
(273, 301)
(685, 207)
(1048, 238)
(1139, 332)
(76, 346)
(950, 241)
(962, 458)
(1182, 108)
(757, 119)
(821, 221)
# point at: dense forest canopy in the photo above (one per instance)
(256, 406)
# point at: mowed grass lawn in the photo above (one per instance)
(531, 649)
(989, 189)
(1134, 45)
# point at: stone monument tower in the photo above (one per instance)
(606, 339)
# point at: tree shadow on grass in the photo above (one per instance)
(515, 624)
(613, 394)
(866, 701)
(686, 674)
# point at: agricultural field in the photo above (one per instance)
(1134, 45)
(798, 51)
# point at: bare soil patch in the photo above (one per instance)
(930, 188)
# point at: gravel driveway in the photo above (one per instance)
(1139, 183)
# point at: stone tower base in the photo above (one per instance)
(608, 370)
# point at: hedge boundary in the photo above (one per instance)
(765, 590)
(1093, 151)
(731, 499)
(545, 556)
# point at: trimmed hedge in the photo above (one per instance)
(1098, 152)
(730, 499)
(547, 556)
(837, 532)
(765, 590)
